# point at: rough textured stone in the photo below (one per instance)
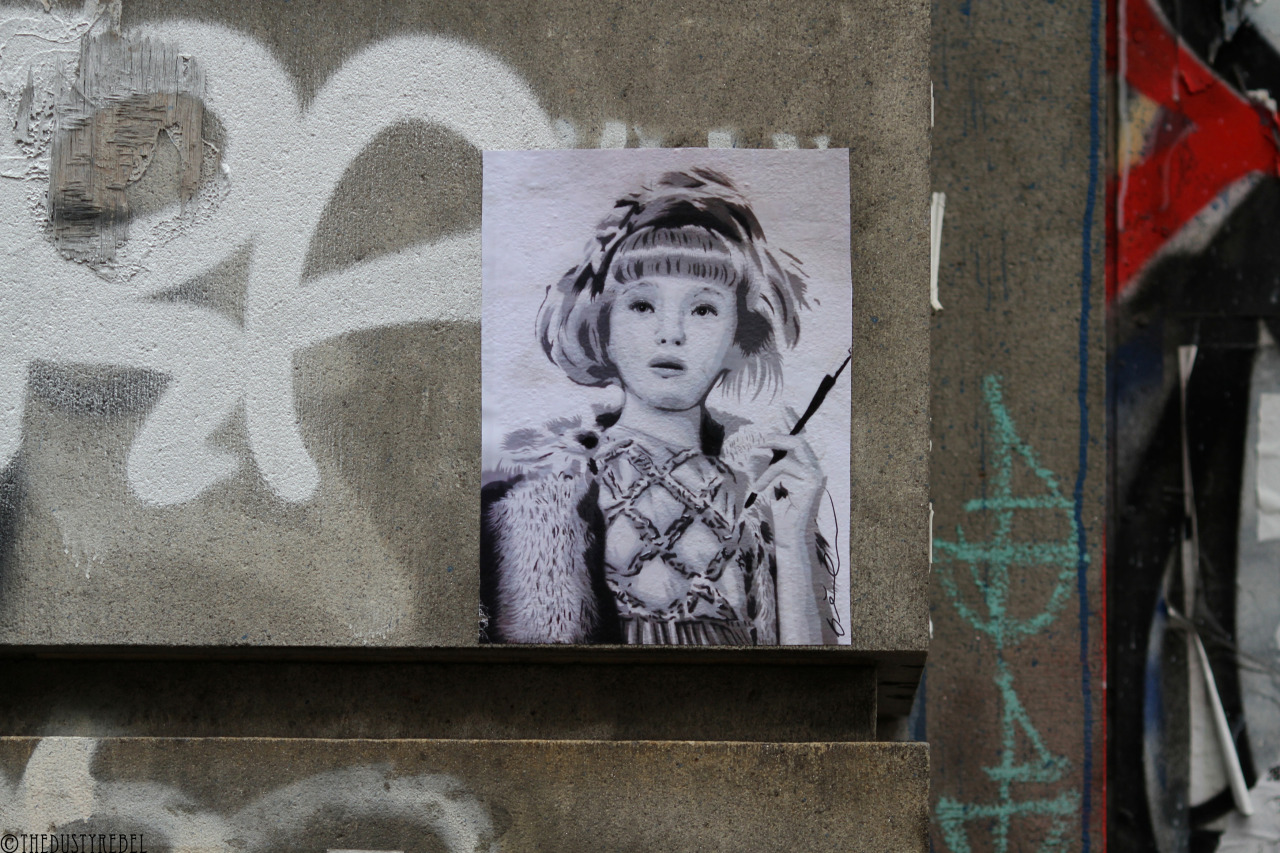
(416, 795)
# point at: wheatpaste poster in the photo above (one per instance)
(666, 335)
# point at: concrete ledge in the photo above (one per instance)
(897, 673)
(411, 795)
(604, 701)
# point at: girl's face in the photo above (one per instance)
(670, 337)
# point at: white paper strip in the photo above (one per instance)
(937, 208)
(1230, 758)
(1268, 467)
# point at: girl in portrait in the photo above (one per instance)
(661, 522)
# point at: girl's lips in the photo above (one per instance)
(666, 368)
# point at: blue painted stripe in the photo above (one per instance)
(1082, 392)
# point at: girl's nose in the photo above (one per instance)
(672, 334)
(671, 328)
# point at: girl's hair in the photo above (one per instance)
(693, 224)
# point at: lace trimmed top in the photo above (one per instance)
(602, 534)
(678, 553)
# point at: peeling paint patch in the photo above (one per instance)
(131, 102)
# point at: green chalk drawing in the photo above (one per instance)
(989, 566)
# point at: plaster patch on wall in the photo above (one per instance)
(35, 50)
(127, 99)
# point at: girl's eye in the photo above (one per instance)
(705, 311)
(640, 306)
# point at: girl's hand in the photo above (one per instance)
(792, 487)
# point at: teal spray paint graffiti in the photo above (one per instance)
(989, 566)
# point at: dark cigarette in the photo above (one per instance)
(828, 382)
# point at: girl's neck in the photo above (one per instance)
(673, 428)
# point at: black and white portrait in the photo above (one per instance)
(666, 398)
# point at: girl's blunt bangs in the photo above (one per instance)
(689, 251)
(691, 224)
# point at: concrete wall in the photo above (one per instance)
(244, 405)
(1013, 700)
(239, 412)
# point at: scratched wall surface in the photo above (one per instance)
(1012, 700)
(243, 403)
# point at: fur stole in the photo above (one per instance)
(542, 535)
